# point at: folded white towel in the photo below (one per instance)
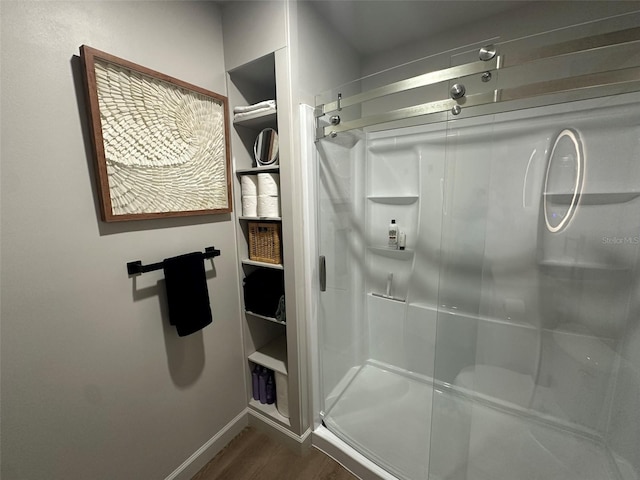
(241, 115)
(255, 106)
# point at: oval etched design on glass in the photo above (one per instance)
(564, 180)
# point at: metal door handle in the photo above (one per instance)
(323, 274)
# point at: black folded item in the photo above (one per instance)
(262, 291)
(187, 293)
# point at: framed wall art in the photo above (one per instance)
(161, 145)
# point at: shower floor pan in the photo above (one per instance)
(417, 432)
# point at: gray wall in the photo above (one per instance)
(95, 383)
(323, 57)
(252, 29)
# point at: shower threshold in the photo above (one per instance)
(415, 431)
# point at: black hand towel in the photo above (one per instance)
(187, 294)
(262, 291)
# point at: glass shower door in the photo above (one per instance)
(372, 354)
(539, 293)
(364, 403)
(378, 311)
(342, 347)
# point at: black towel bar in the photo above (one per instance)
(136, 268)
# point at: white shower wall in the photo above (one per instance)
(405, 175)
(495, 257)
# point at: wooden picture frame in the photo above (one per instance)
(161, 145)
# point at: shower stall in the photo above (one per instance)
(503, 341)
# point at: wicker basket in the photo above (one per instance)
(264, 242)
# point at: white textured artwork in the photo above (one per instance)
(164, 145)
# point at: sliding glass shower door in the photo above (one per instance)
(341, 322)
(538, 290)
(539, 278)
(378, 311)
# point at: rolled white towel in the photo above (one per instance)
(269, 184)
(249, 206)
(268, 206)
(249, 185)
(255, 106)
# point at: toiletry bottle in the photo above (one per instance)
(262, 380)
(255, 382)
(402, 241)
(271, 390)
(393, 234)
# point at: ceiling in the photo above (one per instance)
(374, 26)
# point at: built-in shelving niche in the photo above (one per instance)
(265, 337)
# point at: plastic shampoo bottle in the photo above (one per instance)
(393, 234)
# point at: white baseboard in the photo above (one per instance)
(206, 452)
(296, 443)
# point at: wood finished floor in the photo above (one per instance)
(254, 455)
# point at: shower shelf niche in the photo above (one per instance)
(406, 254)
(394, 199)
(592, 198)
(560, 265)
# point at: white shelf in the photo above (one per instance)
(275, 266)
(262, 219)
(394, 200)
(390, 298)
(270, 411)
(258, 120)
(567, 265)
(264, 317)
(248, 171)
(272, 355)
(592, 198)
(405, 254)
